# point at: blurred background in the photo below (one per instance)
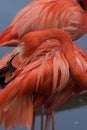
(72, 115)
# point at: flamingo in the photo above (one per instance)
(70, 28)
(69, 15)
(43, 68)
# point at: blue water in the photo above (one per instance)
(75, 119)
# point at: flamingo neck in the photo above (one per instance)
(34, 39)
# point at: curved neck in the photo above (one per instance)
(60, 35)
(34, 39)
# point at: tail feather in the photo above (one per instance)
(30, 112)
(10, 91)
(19, 111)
(12, 107)
(27, 110)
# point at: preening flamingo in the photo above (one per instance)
(42, 68)
(68, 15)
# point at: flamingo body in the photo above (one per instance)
(42, 14)
(48, 72)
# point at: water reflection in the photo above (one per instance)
(72, 115)
(75, 101)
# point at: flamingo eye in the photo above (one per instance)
(22, 43)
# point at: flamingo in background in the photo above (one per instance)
(43, 68)
(68, 15)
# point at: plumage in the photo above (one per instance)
(36, 75)
(43, 14)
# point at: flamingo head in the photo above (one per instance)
(83, 3)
